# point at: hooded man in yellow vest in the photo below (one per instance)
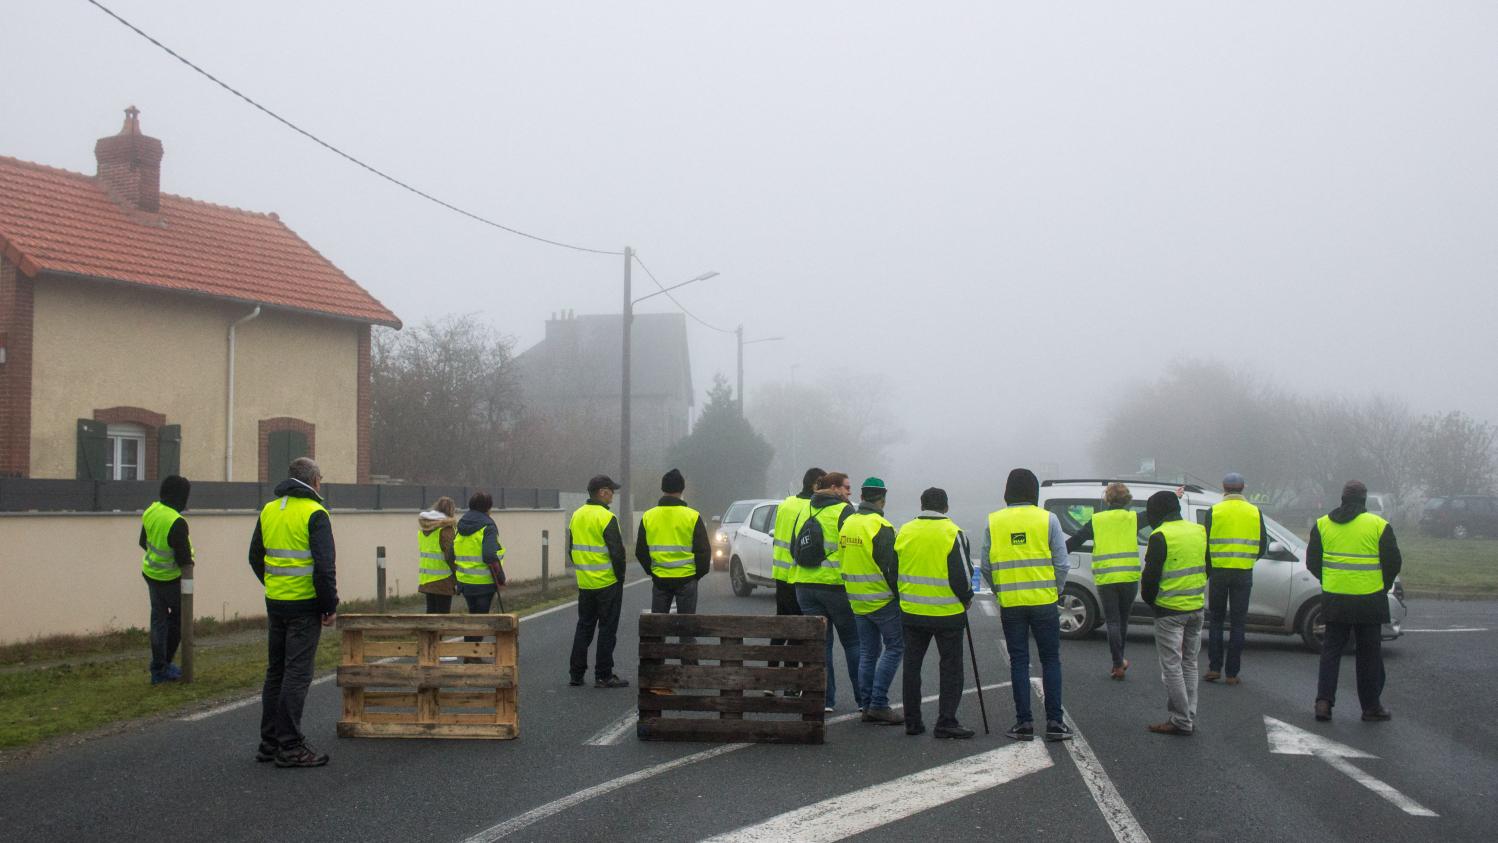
(163, 537)
(1236, 538)
(1354, 554)
(1174, 581)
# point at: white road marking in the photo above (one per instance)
(872, 807)
(615, 731)
(989, 609)
(248, 701)
(1285, 739)
(1110, 802)
(1453, 629)
(537, 814)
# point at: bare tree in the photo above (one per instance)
(1456, 454)
(840, 423)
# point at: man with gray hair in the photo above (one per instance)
(1236, 538)
(291, 552)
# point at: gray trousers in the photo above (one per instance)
(1179, 640)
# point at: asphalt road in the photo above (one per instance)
(196, 780)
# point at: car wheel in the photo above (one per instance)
(1459, 531)
(1312, 627)
(741, 585)
(1079, 613)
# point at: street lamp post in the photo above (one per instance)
(626, 514)
(739, 332)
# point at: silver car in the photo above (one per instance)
(1286, 599)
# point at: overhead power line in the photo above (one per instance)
(344, 155)
(704, 323)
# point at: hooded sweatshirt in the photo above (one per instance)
(472, 522)
(1356, 608)
(176, 538)
(1160, 508)
(428, 521)
(320, 541)
(1023, 488)
(702, 550)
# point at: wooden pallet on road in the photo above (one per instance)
(428, 698)
(735, 689)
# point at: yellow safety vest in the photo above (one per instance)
(468, 554)
(1019, 556)
(868, 590)
(669, 531)
(787, 516)
(433, 563)
(828, 572)
(160, 561)
(1234, 542)
(288, 552)
(590, 555)
(1349, 554)
(1115, 546)
(923, 546)
(1183, 578)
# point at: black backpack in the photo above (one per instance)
(810, 549)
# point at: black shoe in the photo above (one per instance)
(575, 681)
(301, 756)
(266, 752)
(1323, 710)
(1378, 715)
(611, 682)
(915, 728)
(957, 732)
(1055, 730)
(1021, 732)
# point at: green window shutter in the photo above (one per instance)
(93, 441)
(169, 450)
(285, 446)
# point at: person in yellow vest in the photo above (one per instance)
(790, 512)
(291, 552)
(1174, 582)
(436, 572)
(479, 556)
(1354, 554)
(935, 582)
(164, 539)
(595, 551)
(1236, 538)
(1026, 563)
(1114, 533)
(671, 544)
(870, 568)
(819, 586)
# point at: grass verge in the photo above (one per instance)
(1450, 568)
(101, 688)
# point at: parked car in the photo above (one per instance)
(1460, 516)
(1286, 599)
(750, 543)
(723, 530)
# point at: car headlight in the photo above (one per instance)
(722, 537)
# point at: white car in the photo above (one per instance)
(1286, 599)
(750, 543)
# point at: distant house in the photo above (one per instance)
(143, 333)
(573, 375)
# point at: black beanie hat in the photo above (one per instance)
(174, 491)
(810, 478)
(1159, 505)
(672, 483)
(1023, 487)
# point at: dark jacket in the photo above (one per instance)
(613, 539)
(959, 578)
(1263, 531)
(884, 550)
(702, 550)
(1356, 608)
(1154, 565)
(320, 541)
(822, 500)
(472, 522)
(1084, 535)
(176, 537)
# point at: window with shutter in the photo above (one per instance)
(93, 442)
(285, 446)
(169, 450)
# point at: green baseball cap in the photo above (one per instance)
(873, 483)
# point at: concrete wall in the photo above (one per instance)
(101, 345)
(79, 573)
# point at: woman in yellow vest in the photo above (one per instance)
(1114, 533)
(1174, 581)
(479, 557)
(163, 537)
(436, 568)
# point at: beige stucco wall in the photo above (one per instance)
(100, 345)
(101, 589)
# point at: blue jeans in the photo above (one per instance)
(1227, 599)
(880, 628)
(1045, 623)
(832, 604)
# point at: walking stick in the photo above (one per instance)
(973, 651)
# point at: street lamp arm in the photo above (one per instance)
(763, 339)
(703, 277)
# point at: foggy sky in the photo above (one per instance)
(1015, 212)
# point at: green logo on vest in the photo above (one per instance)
(1017, 538)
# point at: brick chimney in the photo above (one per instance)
(130, 165)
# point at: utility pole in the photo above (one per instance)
(626, 517)
(739, 333)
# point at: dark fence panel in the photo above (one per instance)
(459, 494)
(128, 495)
(229, 495)
(403, 497)
(24, 495)
(47, 495)
(350, 496)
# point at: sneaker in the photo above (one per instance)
(916, 728)
(1378, 715)
(575, 681)
(827, 709)
(158, 678)
(1323, 710)
(1021, 732)
(952, 732)
(265, 752)
(1055, 730)
(882, 716)
(172, 672)
(301, 756)
(611, 682)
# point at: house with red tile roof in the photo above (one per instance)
(143, 334)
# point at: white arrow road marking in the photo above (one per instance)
(1116, 813)
(869, 808)
(1285, 739)
(535, 815)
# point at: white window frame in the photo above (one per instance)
(117, 435)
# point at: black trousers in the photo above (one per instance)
(1227, 600)
(785, 604)
(478, 604)
(439, 604)
(1370, 662)
(291, 653)
(166, 621)
(596, 608)
(1117, 599)
(949, 650)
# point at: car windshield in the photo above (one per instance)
(1282, 534)
(737, 511)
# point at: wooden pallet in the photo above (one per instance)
(721, 670)
(387, 697)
